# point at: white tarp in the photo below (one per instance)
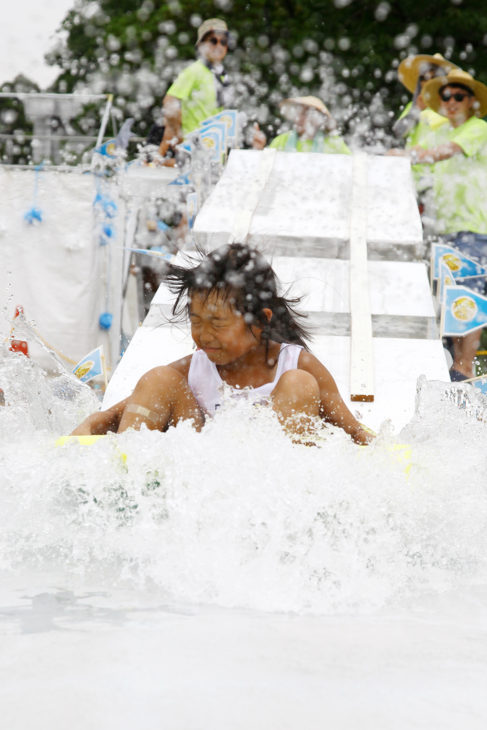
(56, 268)
(305, 204)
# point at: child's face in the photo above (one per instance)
(219, 330)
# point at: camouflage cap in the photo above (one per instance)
(212, 24)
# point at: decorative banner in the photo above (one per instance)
(229, 118)
(461, 266)
(445, 279)
(463, 311)
(480, 383)
(213, 139)
(91, 365)
(181, 180)
(109, 148)
(191, 208)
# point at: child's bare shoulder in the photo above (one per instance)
(308, 361)
(181, 366)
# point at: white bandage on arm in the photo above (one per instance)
(144, 412)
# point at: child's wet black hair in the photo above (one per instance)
(242, 276)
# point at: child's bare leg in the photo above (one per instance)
(161, 398)
(296, 400)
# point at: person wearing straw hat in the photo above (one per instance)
(314, 129)
(460, 181)
(419, 125)
(202, 89)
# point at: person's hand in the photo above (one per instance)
(258, 139)
(98, 423)
(396, 152)
(419, 154)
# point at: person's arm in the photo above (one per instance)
(422, 156)
(101, 422)
(332, 407)
(173, 135)
(259, 139)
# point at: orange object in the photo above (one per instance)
(19, 346)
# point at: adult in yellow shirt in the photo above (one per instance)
(201, 90)
(419, 125)
(314, 129)
(460, 182)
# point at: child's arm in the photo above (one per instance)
(332, 407)
(101, 422)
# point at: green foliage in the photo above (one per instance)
(345, 51)
(14, 147)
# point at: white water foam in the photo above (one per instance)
(238, 516)
(232, 578)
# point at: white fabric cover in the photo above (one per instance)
(56, 268)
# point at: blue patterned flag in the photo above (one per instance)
(463, 311)
(91, 365)
(229, 118)
(213, 139)
(480, 383)
(445, 279)
(461, 266)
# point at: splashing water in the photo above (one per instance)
(238, 516)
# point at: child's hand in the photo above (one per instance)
(364, 435)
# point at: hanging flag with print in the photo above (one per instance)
(229, 118)
(480, 383)
(90, 365)
(463, 310)
(445, 279)
(461, 266)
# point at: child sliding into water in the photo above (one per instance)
(249, 343)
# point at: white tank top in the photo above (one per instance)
(210, 390)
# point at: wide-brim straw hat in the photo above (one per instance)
(431, 90)
(215, 25)
(309, 101)
(409, 69)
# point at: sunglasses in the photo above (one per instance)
(457, 95)
(215, 41)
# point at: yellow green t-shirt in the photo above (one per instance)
(460, 182)
(329, 144)
(430, 131)
(195, 87)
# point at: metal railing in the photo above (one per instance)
(44, 144)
